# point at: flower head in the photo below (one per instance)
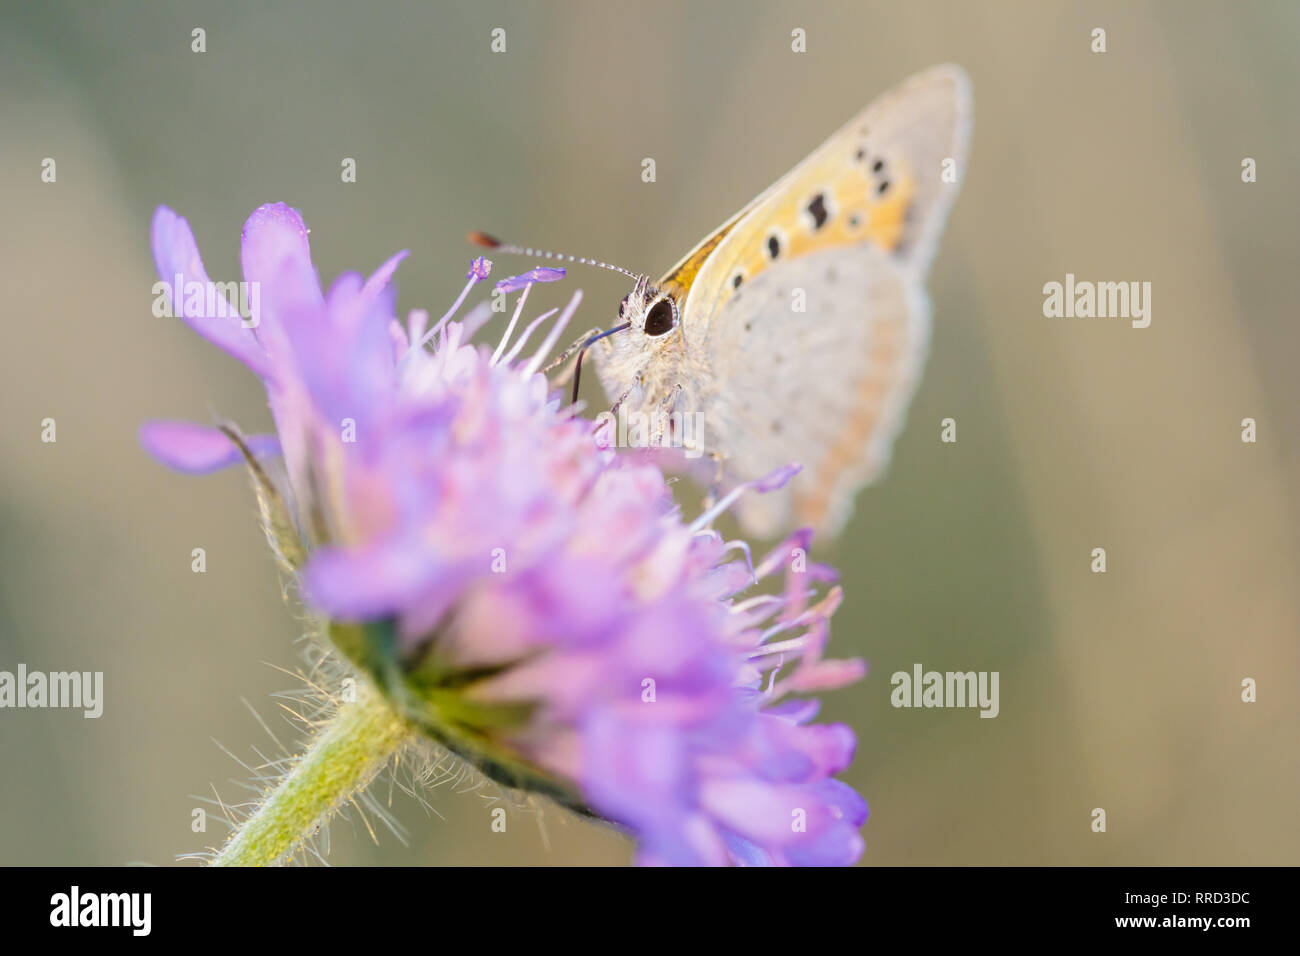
(519, 590)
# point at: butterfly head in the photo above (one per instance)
(650, 313)
(647, 317)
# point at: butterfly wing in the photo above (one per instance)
(826, 386)
(809, 305)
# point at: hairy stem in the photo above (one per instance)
(341, 760)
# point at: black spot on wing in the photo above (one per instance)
(817, 209)
(773, 246)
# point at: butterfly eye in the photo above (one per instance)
(661, 318)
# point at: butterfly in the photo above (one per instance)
(797, 330)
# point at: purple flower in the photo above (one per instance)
(525, 594)
(539, 274)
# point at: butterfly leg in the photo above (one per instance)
(664, 419)
(613, 409)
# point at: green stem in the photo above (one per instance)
(341, 761)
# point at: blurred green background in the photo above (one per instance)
(1119, 691)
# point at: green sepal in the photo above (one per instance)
(277, 520)
(436, 700)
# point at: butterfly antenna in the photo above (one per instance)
(508, 248)
(577, 366)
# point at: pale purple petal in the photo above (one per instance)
(540, 274)
(846, 802)
(199, 449)
(838, 845)
(777, 479)
(383, 276)
(192, 296)
(368, 583)
(276, 256)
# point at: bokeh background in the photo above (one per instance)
(1119, 691)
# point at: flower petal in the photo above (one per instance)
(199, 449)
(371, 582)
(778, 478)
(383, 276)
(194, 298)
(276, 255)
(540, 274)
